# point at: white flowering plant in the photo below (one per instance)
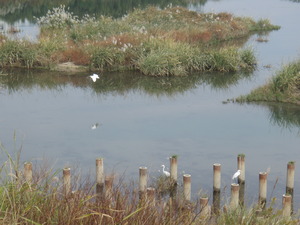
(58, 17)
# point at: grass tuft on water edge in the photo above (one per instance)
(283, 87)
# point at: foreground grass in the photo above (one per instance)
(172, 41)
(41, 201)
(283, 87)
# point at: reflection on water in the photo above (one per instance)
(283, 115)
(12, 11)
(118, 83)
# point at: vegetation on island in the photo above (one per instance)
(172, 41)
(283, 87)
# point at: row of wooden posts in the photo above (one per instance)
(237, 190)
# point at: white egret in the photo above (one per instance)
(235, 176)
(93, 127)
(94, 77)
(164, 171)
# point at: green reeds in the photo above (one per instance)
(283, 87)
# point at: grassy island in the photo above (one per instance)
(171, 41)
(283, 87)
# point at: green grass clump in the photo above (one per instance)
(283, 87)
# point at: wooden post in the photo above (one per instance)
(28, 172)
(204, 208)
(173, 175)
(234, 200)
(99, 176)
(262, 189)
(286, 205)
(173, 168)
(216, 187)
(151, 195)
(108, 181)
(67, 181)
(241, 167)
(290, 177)
(143, 181)
(217, 177)
(187, 187)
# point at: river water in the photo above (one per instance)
(142, 121)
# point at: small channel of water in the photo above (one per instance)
(144, 120)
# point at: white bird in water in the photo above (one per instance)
(235, 176)
(93, 127)
(164, 171)
(94, 77)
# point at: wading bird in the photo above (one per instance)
(94, 77)
(164, 171)
(235, 176)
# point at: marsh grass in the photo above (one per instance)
(283, 87)
(157, 42)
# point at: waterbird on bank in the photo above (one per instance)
(164, 171)
(235, 176)
(94, 77)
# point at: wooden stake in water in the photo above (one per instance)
(67, 181)
(204, 208)
(241, 167)
(217, 177)
(234, 200)
(187, 186)
(173, 170)
(290, 177)
(216, 187)
(151, 195)
(262, 188)
(99, 176)
(286, 205)
(143, 181)
(108, 181)
(28, 172)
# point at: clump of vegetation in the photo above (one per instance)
(157, 42)
(284, 87)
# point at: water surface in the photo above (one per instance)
(142, 121)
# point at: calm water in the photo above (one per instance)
(145, 120)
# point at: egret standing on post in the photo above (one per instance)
(235, 176)
(164, 171)
(94, 77)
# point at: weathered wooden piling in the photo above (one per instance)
(67, 181)
(187, 186)
(286, 205)
(262, 189)
(28, 172)
(99, 176)
(216, 187)
(143, 181)
(204, 208)
(234, 200)
(290, 177)
(217, 177)
(241, 167)
(173, 175)
(173, 168)
(108, 182)
(151, 195)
